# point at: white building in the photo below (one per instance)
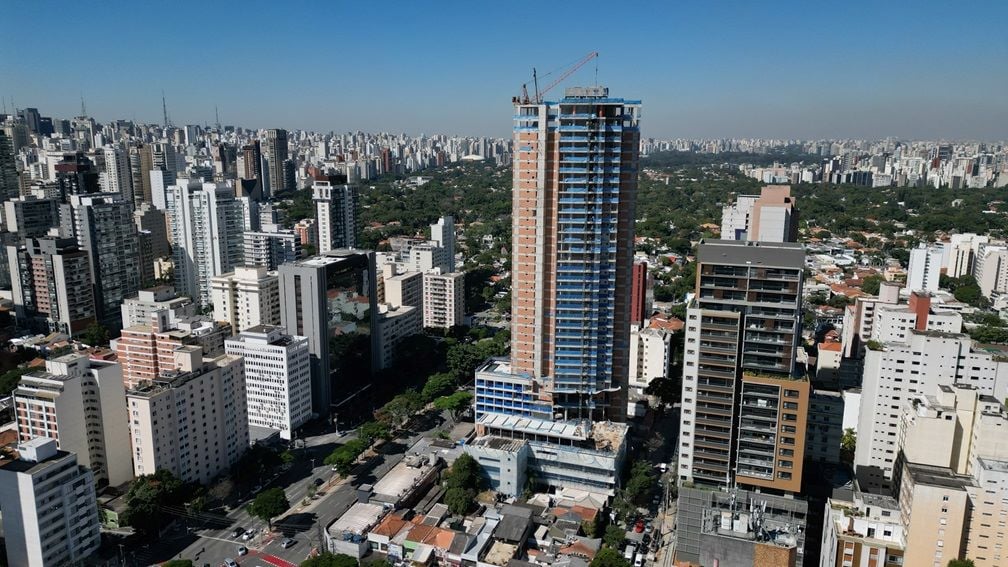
(443, 299)
(137, 310)
(191, 421)
(893, 323)
(650, 354)
(80, 404)
(991, 269)
(735, 217)
(924, 269)
(246, 298)
(207, 236)
(117, 172)
(277, 379)
(394, 325)
(425, 257)
(336, 211)
(960, 254)
(50, 513)
(404, 289)
(443, 234)
(893, 372)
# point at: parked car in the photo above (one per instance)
(237, 531)
(247, 536)
(230, 563)
(288, 543)
(242, 550)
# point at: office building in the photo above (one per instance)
(192, 420)
(443, 234)
(246, 298)
(991, 269)
(50, 512)
(332, 300)
(336, 214)
(745, 400)
(924, 269)
(443, 300)
(274, 154)
(51, 285)
(249, 164)
(207, 231)
(137, 310)
(81, 404)
(771, 216)
(103, 226)
(277, 379)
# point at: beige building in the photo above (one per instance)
(137, 310)
(81, 404)
(443, 300)
(246, 298)
(192, 420)
(394, 325)
(934, 511)
(985, 542)
(862, 530)
(404, 289)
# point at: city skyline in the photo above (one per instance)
(772, 73)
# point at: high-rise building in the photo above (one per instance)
(250, 162)
(336, 214)
(246, 298)
(959, 253)
(991, 269)
(207, 233)
(575, 178)
(862, 529)
(443, 300)
(771, 216)
(103, 226)
(642, 293)
(274, 153)
(118, 178)
(192, 420)
(332, 300)
(555, 410)
(30, 217)
(270, 247)
(141, 164)
(137, 310)
(924, 269)
(277, 379)
(9, 182)
(76, 175)
(51, 287)
(443, 233)
(153, 221)
(395, 323)
(50, 512)
(744, 398)
(404, 289)
(81, 404)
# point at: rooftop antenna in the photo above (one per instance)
(164, 108)
(83, 109)
(217, 117)
(596, 70)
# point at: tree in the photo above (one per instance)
(455, 404)
(848, 443)
(665, 389)
(641, 481)
(269, 504)
(459, 500)
(177, 563)
(437, 385)
(614, 537)
(465, 472)
(326, 559)
(609, 557)
(146, 497)
(871, 284)
(373, 431)
(94, 335)
(988, 334)
(400, 408)
(961, 563)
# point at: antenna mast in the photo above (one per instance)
(164, 108)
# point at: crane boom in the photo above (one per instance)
(567, 73)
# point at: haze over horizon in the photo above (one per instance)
(855, 70)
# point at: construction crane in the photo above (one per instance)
(535, 79)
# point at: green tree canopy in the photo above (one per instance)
(961, 563)
(609, 557)
(146, 498)
(455, 404)
(269, 504)
(437, 385)
(177, 563)
(614, 537)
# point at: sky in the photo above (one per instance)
(852, 69)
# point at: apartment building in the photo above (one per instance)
(394, 325)
(337, 212)
(79, 403)
(137, 310)
(50, 513)
(51, 285)
(246, 298)
(924, 269)
(771, 216)
(443, 299)
(862, 529)
(650, 355)
(403, 289)
(192, 420)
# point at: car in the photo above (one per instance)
(237, 531)
(248, 535)
(230, 563)
(288, 543)
(639, 526)
(319, 482)
(664, 467)
(242, 550)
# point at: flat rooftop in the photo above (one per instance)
(498, 443)
(400, 480)
(790, 255)
(360, 518)
(937, 476)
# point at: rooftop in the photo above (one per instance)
(937, 476)
(790, 255)
(357, 520)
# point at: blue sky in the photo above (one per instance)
(703, 69)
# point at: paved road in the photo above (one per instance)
(303, 523)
